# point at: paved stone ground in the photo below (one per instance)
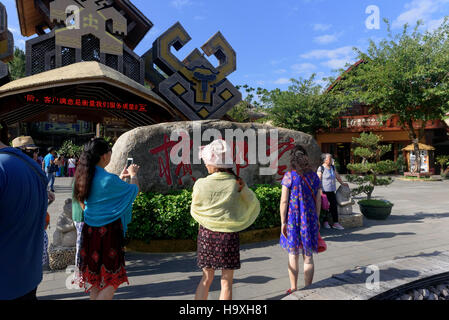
(418, 227)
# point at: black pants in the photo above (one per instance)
(333, 206)
(30, 296)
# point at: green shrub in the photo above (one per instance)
(269, 197)
(162, 217)
(158, 216)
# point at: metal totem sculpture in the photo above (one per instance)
(6, 46)
(89, 19)
(194, 86)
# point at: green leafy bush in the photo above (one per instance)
(269, 197)
(70, 149)
(443, 161)
(162, 217)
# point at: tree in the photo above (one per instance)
(240, 112)
(18, 64)
(70, 149)
(406, 75)
(368, 170)
(443, 161)
(302, 107)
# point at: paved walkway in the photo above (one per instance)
(419, 226)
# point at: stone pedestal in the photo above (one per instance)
(61, 257)
(354, 220)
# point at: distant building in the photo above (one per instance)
(338, 141)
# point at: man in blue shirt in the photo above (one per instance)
(47, 166)
(23, 207)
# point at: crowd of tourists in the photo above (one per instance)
(222, 204)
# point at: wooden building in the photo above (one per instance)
(338, 141)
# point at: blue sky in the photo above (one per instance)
(280, 39)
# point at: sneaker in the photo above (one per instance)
(326, 225)
(338, 226)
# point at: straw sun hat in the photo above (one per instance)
(26, 143)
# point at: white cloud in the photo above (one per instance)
(321, 27)
(419, 10)
(280, 71)
(434, 24)
(334, 59)
(199, 18)
(179, 4)
(303, 67)
(329, 54)
(282, 81)
(326, 39)
(337, 63)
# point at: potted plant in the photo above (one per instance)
(443, 161)
(367, 174)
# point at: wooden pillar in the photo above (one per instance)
(396, 152)
(98, 130)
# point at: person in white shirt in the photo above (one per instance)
(72, 166)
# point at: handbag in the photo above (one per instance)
(53, 168)
(325, 205)
(322, 246)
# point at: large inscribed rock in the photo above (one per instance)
(163, 168)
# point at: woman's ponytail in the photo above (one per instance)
(85, 171)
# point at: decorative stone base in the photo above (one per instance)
(351, 221)
(61, 257)
(418, 175)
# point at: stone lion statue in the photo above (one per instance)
(344, 201)
(65, 234)
(62, 250)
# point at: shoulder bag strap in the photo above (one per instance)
(308, 184)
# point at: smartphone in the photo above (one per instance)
(130, 162)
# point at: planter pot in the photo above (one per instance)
(375, 209)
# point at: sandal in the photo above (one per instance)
(289, 292)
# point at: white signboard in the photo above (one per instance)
(362, 122)
(424, 160)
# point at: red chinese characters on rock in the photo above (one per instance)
(164, 162)
(242, 151)
(282, 148)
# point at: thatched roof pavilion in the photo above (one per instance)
(422, 147)
(23, 100)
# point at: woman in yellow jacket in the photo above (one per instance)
(223, 205)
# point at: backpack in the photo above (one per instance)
(322, 168)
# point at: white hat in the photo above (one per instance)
(217, 154)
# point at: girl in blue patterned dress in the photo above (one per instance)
(300, 227)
